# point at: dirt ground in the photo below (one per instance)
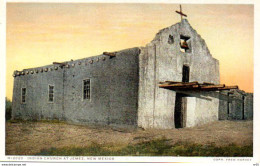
(31, 137)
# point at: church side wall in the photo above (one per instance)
(114, 90)
(36, 104)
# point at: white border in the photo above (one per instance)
(2, 75)
(256, 108)
(145, 1)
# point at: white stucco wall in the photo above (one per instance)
(191, 111)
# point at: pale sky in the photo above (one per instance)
(41, 33)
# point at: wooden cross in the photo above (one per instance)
(180, 13)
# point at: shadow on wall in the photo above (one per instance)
(233, 105)
(201, 94)
(194, 108)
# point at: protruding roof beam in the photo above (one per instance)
(60, 63)
(229, 87)
(111, 54)
(203, 86)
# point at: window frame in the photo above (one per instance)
(49, 93)
(89, 99)
(23, 102)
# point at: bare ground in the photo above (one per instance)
(31, 137)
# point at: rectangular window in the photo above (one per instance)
(86, 89)
(23, 94)
(51, 93)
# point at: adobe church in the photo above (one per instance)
(172, 82)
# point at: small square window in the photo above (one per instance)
(170, 39)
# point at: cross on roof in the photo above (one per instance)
(180, 13)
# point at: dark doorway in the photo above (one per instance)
(180, 110)
(185, 73)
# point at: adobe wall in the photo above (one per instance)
(237, 105)
(37, 105)
(223, 105)
(249, 105)
(162, 60)
(114, 91)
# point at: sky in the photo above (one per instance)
(38, 34)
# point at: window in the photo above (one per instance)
(51, 93)
(23, 94)
(185, 44)
(86, 89)
(170, 39)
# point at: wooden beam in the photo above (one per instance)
(212, 86)
(181, 13)
(181, 84)
(195, 86)
(208, 83)
(205, 86)
(60, 63)
(162, 82)
(186, 88)
(193, 83)
(171, 85)
(173, 82)
(228, 87)
(168, 83)
(111, 54)
(190, 83)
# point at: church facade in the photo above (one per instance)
(172, 82)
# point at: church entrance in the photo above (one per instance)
(180, 110)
